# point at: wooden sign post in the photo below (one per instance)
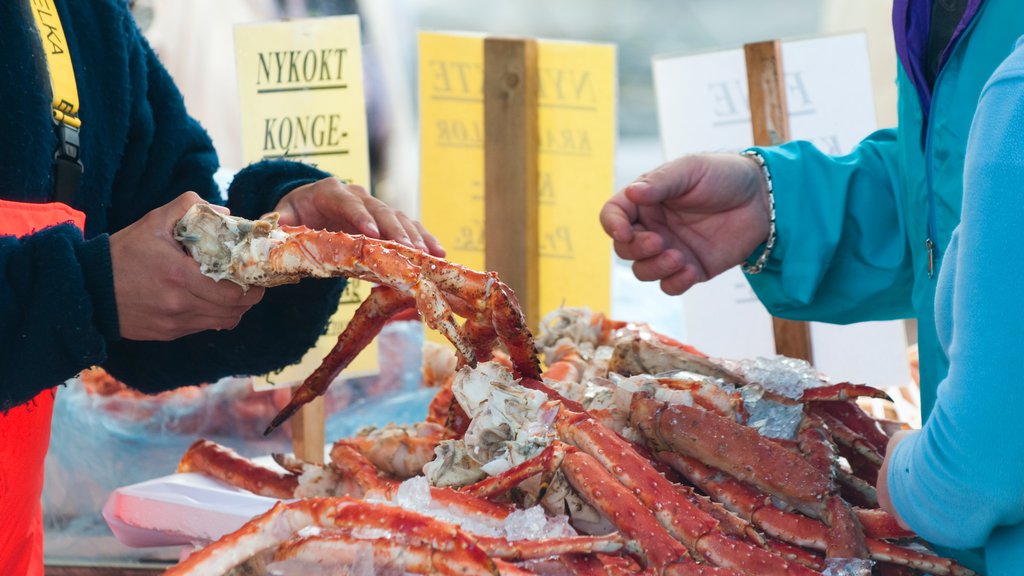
(769, 117)
(510, 168)
(517, 155)
(309, 431)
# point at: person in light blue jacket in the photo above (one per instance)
(959, 482)
(856, 237)
(837, 239)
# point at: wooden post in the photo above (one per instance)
(308, 431)
(769, 117)
(510, 168)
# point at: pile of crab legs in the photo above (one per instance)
(648, 434)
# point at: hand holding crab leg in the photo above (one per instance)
(261, 253)
(329, 204)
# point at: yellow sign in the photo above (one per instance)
(576, 125)
(577, 173)
(452, 143)
(301, 91)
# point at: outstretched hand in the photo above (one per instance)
(160, 293)
(689, 219)
(330, 205)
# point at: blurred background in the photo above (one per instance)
(194, 40)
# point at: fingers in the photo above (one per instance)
(432, 243)
(347, 207)
(670, 180)
(644, 244)
(330, 204)
(682, 280)
(412, 231)
(392, 223)
(674, 271)
(223, 294)
(665, 182)
(617, 218)
(659, 266)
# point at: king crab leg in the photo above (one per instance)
(281, 522)
(804, 531)
(229, 467)
(382, 303)
(684, 520)
(261, 253)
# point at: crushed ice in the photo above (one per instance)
(787, 377)
(771, 419)
(533, 523)
(847, 567)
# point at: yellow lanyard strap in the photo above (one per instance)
(62, 74)
(67, 166)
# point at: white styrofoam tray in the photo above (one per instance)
(181, 509)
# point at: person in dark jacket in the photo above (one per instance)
(120, 292)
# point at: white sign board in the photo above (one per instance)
(702, 107)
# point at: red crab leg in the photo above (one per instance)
(880, 524)
(642, 356)
(857, 420)
(678, 515)
(382, 303)
(320, 254)
(510, 324)
(846, 537)
(793, 553)
(335, 547)
(842, 391)
(518, 550)
(634, 520)
(927, 563)
(226, 465)
(483, 299)
(544, 463)
(577, 565)
(620, 566)
(852, 440)
(736, 449)
(341, 548)
(266, 530)
(684, 520)
(857, 490)
(802, 530)
(350, 463)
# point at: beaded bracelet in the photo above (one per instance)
(759, 264)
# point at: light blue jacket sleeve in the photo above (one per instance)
(841, 255)
(960, 482)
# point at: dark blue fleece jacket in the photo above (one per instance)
(140, 149)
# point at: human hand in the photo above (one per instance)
(328, 204)
(161, 295)
(689, 219)
(882, 488)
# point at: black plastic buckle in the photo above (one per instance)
(67, 166)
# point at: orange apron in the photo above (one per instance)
(25, 430)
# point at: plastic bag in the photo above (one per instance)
(105, 436)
